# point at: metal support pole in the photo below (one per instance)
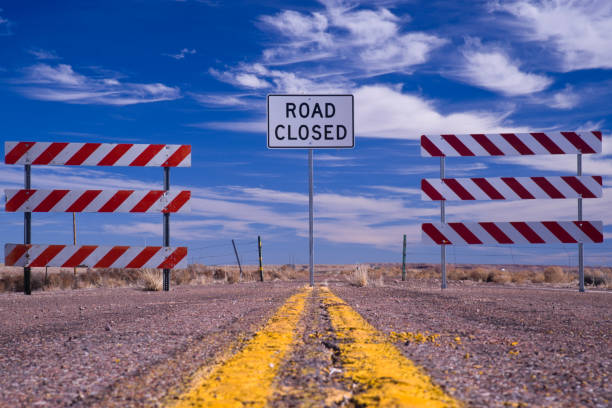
(27, 235)
(442, 220)
(311, 215)
(404, 260)
(260, 260)
(237, 258)
(74, 243)
(580, 244)
(166, 228)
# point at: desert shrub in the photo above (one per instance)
(594, 277)
(61, 280)
(219, 274)
(359, 276)
(498, 276)
(520, 276)
(151, 279)
(479, 274)
(457, 274)
(554, 274)
(233, 276)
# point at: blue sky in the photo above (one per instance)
(197, 72)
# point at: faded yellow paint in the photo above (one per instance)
(246, 378)
(386, 378)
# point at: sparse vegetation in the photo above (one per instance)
(151, 279)
(359, 276)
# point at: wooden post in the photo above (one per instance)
(261, 278)
(404, 260)
(237, 258)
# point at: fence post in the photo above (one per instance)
(27, 235)
(237, 258)
(166, 227)
(404, 260)
(261, 278)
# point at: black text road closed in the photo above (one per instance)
(310, 121)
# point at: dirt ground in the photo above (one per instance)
(485, 344)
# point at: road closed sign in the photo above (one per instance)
(310, 122)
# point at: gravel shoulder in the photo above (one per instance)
(122, 346)
(497, 345)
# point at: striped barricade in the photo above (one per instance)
(93, 256)
(511, 144)
(491, 233)
(104, 201)
(511, 188)
(97, 154)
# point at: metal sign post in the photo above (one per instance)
(310, 122)
(443, 221)
(27, 233)
(166, 283)
(580, 244)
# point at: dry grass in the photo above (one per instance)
(151, 279)
(359, 277)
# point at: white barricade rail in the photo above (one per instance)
(153, 201)
(97, 154)
(511, 188)
(493, 233)
(511, 144)
(93, 256)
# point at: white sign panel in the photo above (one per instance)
(310, 121)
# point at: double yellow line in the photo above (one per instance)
(382, 375)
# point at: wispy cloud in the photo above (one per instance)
(181, 54)
(578, 30)
(41, 54)
(60, 83)
(5, 25)
(490, 68)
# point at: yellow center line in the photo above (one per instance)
(246, 378)
(385, 376)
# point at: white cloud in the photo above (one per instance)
(61, 83)
(222, 100)
(41, 54)
(565, 99)
(182, 53)
(578, 30)
(5, 25)
(492, 69)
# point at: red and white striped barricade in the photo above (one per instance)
(93, 256)
(531, 232)
(512, 188)
(105, 201)
(97, 154)
(30, 200)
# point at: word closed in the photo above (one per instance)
(310, 121)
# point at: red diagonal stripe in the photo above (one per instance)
(174, 258)
(458, 189)
(147, 201)
(597, 134)
(116, 200)
(82, 154)
(457, 145)
(178, 202)
(514, 141)
(558, 231)
(576, 184)
(578, 142)
(488, 188)
(17, 252)
(115, 154)
(178, 156)
(488, 145)
(548, 188)
(18, 200)
(142, 258)
(147, 154)
(111, 256)
(464, 233)
(430, 147)
(19, 150)
(47, 255)
(547, 143)
(79, 256)
(517, 188)
(431, 192)
(83, 201)
(49, 201)
(589, 229)
(50, 152)
(598, 179)
(435, 234)
(526, 231)
(496, 232)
